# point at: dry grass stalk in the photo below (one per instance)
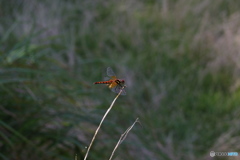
(102, 122)
(122, 138)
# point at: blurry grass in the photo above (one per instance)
(178, 66)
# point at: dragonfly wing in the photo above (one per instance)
(106, 78)
(117, 89)
(123, 92)
(110, 72)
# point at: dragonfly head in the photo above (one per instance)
(122, 81)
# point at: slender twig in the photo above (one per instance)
(122, 138)
(102, 122)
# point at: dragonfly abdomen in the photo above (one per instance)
(103, 82)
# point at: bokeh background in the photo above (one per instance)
(179, 58)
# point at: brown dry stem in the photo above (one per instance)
(96, 132)
(123, 137)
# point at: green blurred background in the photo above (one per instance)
(180, 60)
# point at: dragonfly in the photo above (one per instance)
(115, 84)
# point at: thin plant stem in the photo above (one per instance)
(102, 122)
(123, 137)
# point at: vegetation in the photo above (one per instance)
(180, 61)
